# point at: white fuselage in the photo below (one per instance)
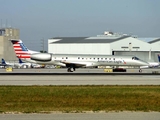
(86, 60)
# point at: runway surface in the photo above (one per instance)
(79, 80)
(84, 71)
(79, 77)
(85, 116)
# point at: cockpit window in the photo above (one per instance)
(135, 58)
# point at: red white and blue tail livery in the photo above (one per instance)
(21, 50)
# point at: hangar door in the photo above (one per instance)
(144, 55)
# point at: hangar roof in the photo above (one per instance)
(89, 39)
(153, 41)
(150, 40)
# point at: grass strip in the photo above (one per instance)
(35, 99)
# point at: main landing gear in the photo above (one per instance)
(70, 69)
(140, 70)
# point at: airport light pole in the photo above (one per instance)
(42, 44)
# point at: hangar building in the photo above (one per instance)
(6, 48)
(107, 44)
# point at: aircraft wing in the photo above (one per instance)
(77, 64)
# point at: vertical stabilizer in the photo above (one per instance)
(21, 50)
(3, 62)
(20, 61)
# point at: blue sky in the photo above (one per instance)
(39, 19)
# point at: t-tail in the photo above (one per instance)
(21, 50)
(3, 62)
(20, 61)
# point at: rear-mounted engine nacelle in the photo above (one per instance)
(45, 57)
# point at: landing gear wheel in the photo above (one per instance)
(69, 70)
(140, 70)
(74, 68)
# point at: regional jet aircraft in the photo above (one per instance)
(4, 63)
(73, 61)
(29, 64)
(22, 64)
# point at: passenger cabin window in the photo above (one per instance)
(78, 57)
(66, 57)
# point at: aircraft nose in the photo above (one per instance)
(145, 63)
